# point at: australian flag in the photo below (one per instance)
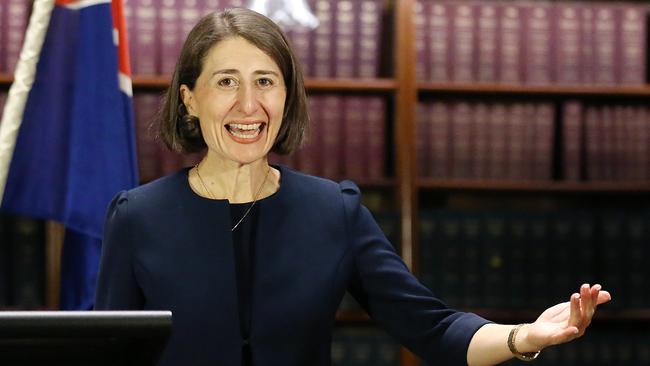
(67, 138)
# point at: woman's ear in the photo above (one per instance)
(188, 99)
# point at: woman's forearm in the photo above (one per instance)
(489, 346)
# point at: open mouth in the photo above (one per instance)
(245, 131)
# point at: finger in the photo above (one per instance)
(574, 314)
(586, 305)
(603, 297)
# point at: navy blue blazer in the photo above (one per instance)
(166, 248)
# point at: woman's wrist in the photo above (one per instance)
(519, 344)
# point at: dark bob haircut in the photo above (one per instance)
(182, 132)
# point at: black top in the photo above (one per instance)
(243, 240)
(167, 248)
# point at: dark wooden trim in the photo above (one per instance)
(550, 90)
(534, 186)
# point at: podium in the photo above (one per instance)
(88, 338)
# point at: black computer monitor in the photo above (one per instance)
(88, 338)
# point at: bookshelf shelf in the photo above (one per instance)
(313, 85)
(527, 90)
(534, 186)
(6, 79)
(603, 318)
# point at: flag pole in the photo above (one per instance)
(23, 81)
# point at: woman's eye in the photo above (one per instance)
(227, 82)
(264, 82)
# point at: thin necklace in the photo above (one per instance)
(257, 195)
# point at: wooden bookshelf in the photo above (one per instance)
(529, 90)
(534, 186)
(6, 80)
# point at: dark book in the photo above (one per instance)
(440, 139)
(511, 45)
(344, 34)
(461, 140)
(422, 40)
(440, 28)
(572, 140)
(517, 244)
(494, 260)
(538, 42)
(27, 263)
(375, 130)
(487, 42)
(516, 129)
(480, 141)
(367, 40)
(423, 139)
(355, 138)
(3, 36)
(587, 45)
(309, 157)
(169, 25)
(472, 227)
(606, 47)
(144, 45)
(16, 17)
(632, 24)
(538, 270)
(567, 35)
(145, 107)
(498, 151)
(5, 260)
(463, 50)
(331, 120)
(544, 137)
(323, 40)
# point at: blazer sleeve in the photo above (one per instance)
(117, 288)
(385, 287)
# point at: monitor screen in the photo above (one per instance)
(89, 338)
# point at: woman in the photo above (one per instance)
(254, 259)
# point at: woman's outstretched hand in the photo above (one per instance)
(563, 322)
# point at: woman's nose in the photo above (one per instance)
(247, 99)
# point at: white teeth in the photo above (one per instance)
(245, 136)
(239, 126)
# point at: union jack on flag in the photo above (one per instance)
(67, 139)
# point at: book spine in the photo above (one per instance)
(344, 35)
(422, 139)
(633, 44)
(170, 33)
(440, 130)
(641, 133)
(567, 29)
(571, 139)
(28, 263)
(332, 134)
(592, 144)
(462, 41)
(440, 39)
(587, 45)
(5, 263)
(144, 106)
(510, 34)
(422, 41)
(544, 136)
(516, 148)
(3, 37)
(480, 141)
(487, 41)
(607, 131)
(538, 43)
(498, 142)
(530, 113)
(375, 129)
(355, 143)
(322, 57)
(145, 46)
(493, 273)
(309, 156)
(605, 47)
(188, 15)
(517, 258)
(17, 15)
(461, 143)
(300, 42)
(471, 227)
(369, 35)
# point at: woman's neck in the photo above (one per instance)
(218, 178)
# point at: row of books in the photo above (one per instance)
(347, 139)
(606, 142)
(365, 346)
(22, 262)
(346, 42)
(534, 42)
(14, 15)
(480, 140)
(530, 260)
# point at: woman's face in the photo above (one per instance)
(239, 100)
